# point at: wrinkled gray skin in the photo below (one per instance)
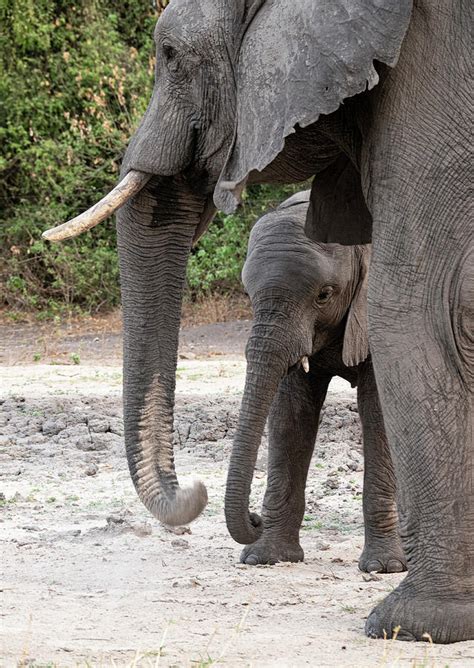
(309, 300)
(233, 78)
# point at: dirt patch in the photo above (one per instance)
(90, 578)
(98, 339)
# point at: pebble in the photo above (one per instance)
(92, 469)
(98, 424)
(142, 529)
(180, 543)
(53, 427)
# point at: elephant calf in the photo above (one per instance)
(310, 324)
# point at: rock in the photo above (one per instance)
(332, 482)
(31, 428)
(355, 466)
(180, 543)
(177, 531)
(91, 470)
(72, 433)
(116, 426)
(75, 418)
(84, 442)
(106, 441)
(142, 529)
(209, 434)
(323, 545)
(54, 426)
(97, 441)
(98, 424)
(115, 519)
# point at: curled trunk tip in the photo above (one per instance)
(244, 527)
(132, 183)
(186, 504)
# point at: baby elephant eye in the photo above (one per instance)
(324, 294)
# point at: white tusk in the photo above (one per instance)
(228, 185)
(128, 186)
(305, 363)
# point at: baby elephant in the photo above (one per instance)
(310, 324)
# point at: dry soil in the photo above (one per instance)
(91, 579)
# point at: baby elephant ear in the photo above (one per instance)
(356, 340)
(297, 60)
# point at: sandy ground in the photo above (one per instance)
(89, 578)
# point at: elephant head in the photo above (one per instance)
(305, 296)
(168, 176)
(210, 90)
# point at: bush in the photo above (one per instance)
(75, 79)
(216, 262)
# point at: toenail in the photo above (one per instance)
(395, 566)
(374, 566)
(370, 626)
(251, 560)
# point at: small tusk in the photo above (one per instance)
(305, 363)
(123, 191)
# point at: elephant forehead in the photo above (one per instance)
(186, 17)
(297, 271)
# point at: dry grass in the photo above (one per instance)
(216, 308)
(206, 310)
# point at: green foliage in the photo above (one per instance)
(216, 262)
(75, 78)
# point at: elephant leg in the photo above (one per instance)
(421, 320)
(383, 551)
(293, 426)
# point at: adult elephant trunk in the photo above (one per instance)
(155, 233)
(269, 354)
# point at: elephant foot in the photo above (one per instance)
(409, 616)
(271, 551)
(383, 556)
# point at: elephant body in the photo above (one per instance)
(373, 98)
(330, 337)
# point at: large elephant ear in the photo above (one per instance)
(298, 60)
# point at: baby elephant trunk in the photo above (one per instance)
(268, 358)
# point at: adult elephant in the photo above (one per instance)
(251, 90)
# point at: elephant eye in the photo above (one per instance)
(169, 52)
(324, 295)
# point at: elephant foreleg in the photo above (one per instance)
(383, 551)
(293, 425)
